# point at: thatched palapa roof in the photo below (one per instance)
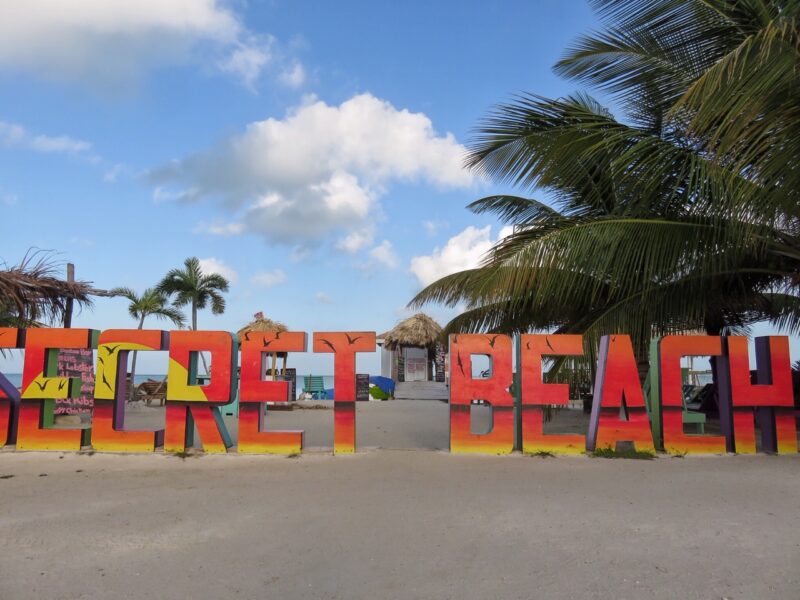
(30, 292)
(260, 324)
(419, 330)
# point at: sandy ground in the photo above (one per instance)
(394, 524)
(397, 524)
(398, 424)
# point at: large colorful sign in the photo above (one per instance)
(619, 411)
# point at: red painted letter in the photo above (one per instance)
(536, 394)
(772, 397)
(493, 390)
(254, 391)
(344, 346)
(111, 391)
(189, 404)
(618, 379)
(670, 351)
(9, 395)
(39, 383)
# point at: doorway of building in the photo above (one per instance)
(416, 364)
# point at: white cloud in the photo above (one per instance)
(16, 136)
(110, 42)
(433, 227)
(80, 241)
(384, 254)
(299, 253)
(248, 60)
(268, 278)
(462, 251)
(214, 265)
(111, 175)
(294, 76)
(356, 240)
(225, 229)
(323, 298)
(319, 171)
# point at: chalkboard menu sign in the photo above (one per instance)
(74, 362)
(362, 387)
(291, 377)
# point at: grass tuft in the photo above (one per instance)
(184, 454)
(627, 453)
(541, 454)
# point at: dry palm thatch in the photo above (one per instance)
(31, 293)
(419, 330)
(260, 324)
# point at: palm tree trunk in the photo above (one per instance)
(194, 328)
(132, 387)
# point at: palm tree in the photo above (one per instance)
(150, 303)
(191, 286)
(683, 217)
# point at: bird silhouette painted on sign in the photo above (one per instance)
(105, 381)
(62, 384)
(492, 340)
(547, 341)
(267, 342)
(42, 385)
(351, 341)
(460, 364)
(328, 344)
(110, 349)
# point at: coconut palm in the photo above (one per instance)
(151, 303)
(674, 219)
(190, 286)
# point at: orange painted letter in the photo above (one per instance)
(536, 394)
(344, 346)
(493, 390)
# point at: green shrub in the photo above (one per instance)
(378, 393)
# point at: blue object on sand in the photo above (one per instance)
(385, 383)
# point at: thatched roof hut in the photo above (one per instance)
(260, 324)
(30, 292)
(418, 331)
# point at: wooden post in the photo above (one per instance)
(69, 303)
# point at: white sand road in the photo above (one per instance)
(398, 524)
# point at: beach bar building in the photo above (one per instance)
(414, 352)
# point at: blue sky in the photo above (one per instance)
(310, 151)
